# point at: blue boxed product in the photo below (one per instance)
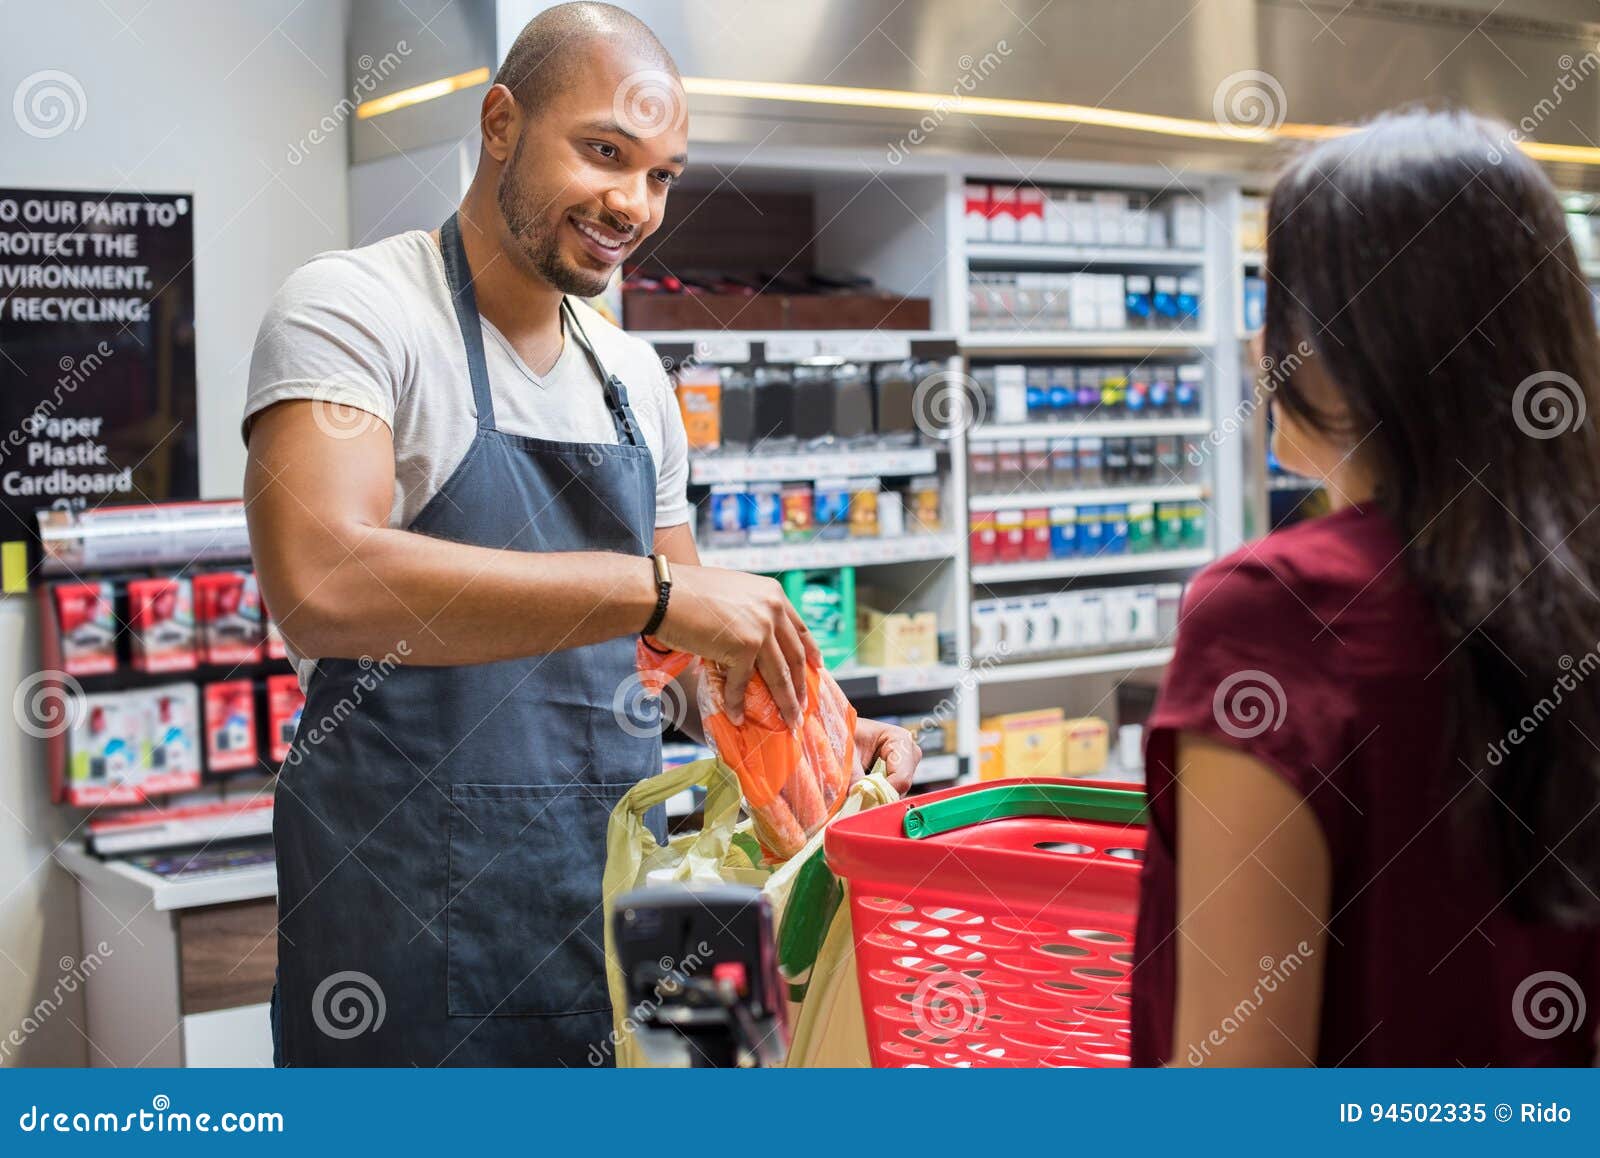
(1161, 385)
(725, 515)
(1255, 303)
(1038, 393)
(1140, 305)
(1091, 535)
(1063, 532)
(1189, 300)
(832, 506)
(1114, 528)
(763, 512)
(1063, 393)
(1166, 299)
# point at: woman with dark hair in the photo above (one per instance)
(1374, 765)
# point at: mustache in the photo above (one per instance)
(609, 222)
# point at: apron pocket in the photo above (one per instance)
(524, 928)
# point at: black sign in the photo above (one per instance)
(97, 377)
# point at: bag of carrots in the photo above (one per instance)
(793, 781)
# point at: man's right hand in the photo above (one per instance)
(747, 624)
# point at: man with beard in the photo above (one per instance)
(456, 466)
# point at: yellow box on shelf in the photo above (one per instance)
(1029, 744)
(896, 639)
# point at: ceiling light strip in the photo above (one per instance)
(417, 94)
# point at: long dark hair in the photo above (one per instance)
(1425, 263)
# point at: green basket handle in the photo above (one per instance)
(1068, 801)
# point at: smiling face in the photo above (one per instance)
(587, 177)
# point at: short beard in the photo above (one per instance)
(537, 240)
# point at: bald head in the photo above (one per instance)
(555, 46)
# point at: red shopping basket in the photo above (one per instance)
(994, 922)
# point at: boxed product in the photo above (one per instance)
(977, 212)
(986, 630)
(725, 514)
(863, 517)
(172, 730)
(1109, 208)
(700, 401)
(1188, 224)
(227, 613)
(230, 720)
(891, 515)
(86, 617)
(1036, 534)
(831, 508)
(1030, 215)
(896, 638)
(798, 513)
(1002, 213)
(161, 624)
(285, 702)
(1084, 743)
(826, 601)
(983, 540)
(106, 750)
(1030, 742)
(1008, 536)
(991, 756)
(1058, 217)
(1081, 218)
(763, 512)
(1010, 395)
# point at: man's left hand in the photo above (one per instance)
(896, 747)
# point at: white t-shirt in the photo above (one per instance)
(375, 329)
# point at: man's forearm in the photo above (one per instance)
(453, 603)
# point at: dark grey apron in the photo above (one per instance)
(440, 849)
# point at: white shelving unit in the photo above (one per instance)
(836, 553)
(1133, 494)
(990, 574)
(1097, 341)
(1103, 428)
(1016, 253)
(706, 469)
(1077, 665)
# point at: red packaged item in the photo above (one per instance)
(87, 622)
(285, 701)
(161, 623)
(1008, 536)
(981, 544)
(228, 613)
(230, 726)
(793, 781)
(1036, 534)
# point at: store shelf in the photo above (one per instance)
(1255, 257)
(1153, 494)
(937, 769)
(1108, 340)
(738, 347)
(1107, 428)
(840, 553)
(1079, 665)
(167, 893)
(858, 682)
(708, 469)
(993, 252)
(992, 573)
(1289, 482)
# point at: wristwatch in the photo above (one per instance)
(663, 592)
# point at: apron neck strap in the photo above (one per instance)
(458, 275)
(616, 393)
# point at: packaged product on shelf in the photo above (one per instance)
(1169, 597)
(891, 515)
(826, 601)
(816, 398)
(1116, 607)
(831, 505)
(924, 501)
(87, 624)
(172, 723)
(793, 781)
(1063, 464)
(1063, 395)
(1057, 217)
(1255, 303)
(285, 702)
(1141, 527)
(1063, 532)
(1087, 379)
(1007, 466)
(1135, 227)
(1169, 526)
(1008, 535)
(1139, 304)
(1166, 301)
(798, 521)
(763, 513)
(979, 302)
(1194, 524)
(738, 418)
(230, 722)
(1111, 301)
(1036, 534)
(1030, 215)
(1113, 391)
(1091, 532)
(1083, 307)
(894, 393)
(1156, 227)
(1109, 208)
(852, 402)
(1114, 519)
(977, 212)
(1038, 393)
(1010, 395)
(1142, 459)
(725, 514)
(1189, 301)
(1188, 224)
(983, 538)
(1084, 745)
(864, 508)
(1014, 627)
(1030, 742)
(1036, 464)
(1030, 305)
(1137, 399)
(700, 402)
(1186, 395)
(991, 753)
(227, 613)
(1091, 462)
(1088, 618)
(161, 624)
(1044, 626)
(1143, 609)
(1169, 459)
(1058, 301)
(980, 468)
(896, 638)
(1002, 213)
(1115, 461)
(986, 634)
(1163, 384)
(1081, 218)
(106, 747)
(774, 408)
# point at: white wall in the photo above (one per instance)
(195, 97)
